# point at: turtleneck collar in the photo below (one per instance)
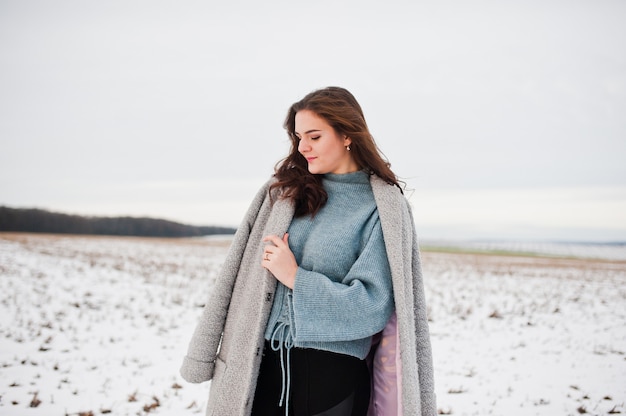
(360, 176)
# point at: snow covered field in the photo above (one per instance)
(615, 251)
(99, 325)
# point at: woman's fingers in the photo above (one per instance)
(274, 239)
(279, 259)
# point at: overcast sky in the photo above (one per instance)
(506, 119)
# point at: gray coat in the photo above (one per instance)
(227, 344)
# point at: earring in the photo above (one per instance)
(348, 148)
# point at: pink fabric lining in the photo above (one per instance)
(385, 367)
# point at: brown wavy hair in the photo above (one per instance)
(338, 107)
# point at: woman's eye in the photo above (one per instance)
(315, 138)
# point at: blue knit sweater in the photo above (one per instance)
(343, 291)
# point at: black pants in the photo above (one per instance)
(322, 384)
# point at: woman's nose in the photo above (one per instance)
(303, 146)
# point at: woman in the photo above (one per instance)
(319, 308)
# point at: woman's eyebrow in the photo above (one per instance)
(309, 131)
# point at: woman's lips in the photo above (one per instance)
(310, 159)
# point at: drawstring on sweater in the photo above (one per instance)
(282, 339)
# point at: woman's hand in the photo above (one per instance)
(279, 259)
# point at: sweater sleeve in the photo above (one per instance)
(355, 308)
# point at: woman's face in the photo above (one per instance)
(323, 148)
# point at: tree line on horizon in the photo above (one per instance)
(37, 220)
